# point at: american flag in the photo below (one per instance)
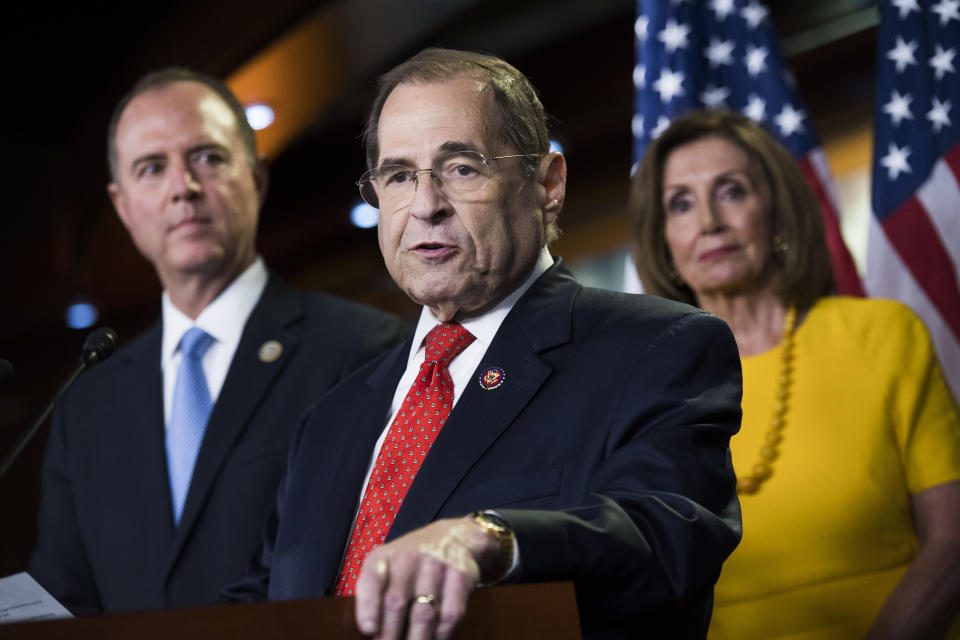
(913, 251)
(725, 54)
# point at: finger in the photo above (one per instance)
(396, 597)
(457, 587)
(425, 606)
(368, 590)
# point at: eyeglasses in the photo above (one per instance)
(457, 174)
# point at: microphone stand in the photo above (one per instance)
(98, 346)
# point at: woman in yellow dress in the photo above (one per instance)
(848, 459)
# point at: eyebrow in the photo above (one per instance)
(150, 157)
(208, 146)
(451, 146)
(726, 174)
(197, 148)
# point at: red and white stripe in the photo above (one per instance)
(914, 257)
(817, 172)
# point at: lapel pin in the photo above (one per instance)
(270, 351)
(492, 378)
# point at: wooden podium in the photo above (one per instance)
(546, 610)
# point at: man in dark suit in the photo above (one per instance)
(589, 437)
(163, 461)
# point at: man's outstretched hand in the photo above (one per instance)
(417, 586)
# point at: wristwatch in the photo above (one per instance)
(496, 527)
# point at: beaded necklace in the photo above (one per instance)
(770, 451)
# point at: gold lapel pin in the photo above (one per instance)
(270, 351)
(492, 378)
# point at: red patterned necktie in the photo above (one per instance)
(424, 411)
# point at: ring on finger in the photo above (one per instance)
(427, 598)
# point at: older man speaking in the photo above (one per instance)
(530, 429)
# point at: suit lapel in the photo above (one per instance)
(248, 379)
(337, 490)
(140, 435)
(539, 321)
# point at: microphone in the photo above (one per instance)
(98, 346)
(6, 369)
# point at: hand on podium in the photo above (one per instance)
(420, 582)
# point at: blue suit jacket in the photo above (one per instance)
(605, 449)
(106, 537)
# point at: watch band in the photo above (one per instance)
(495, 526)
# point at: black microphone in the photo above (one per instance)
(6, 369)
(96, 348)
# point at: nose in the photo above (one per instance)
(711, 219)
(184, 184)
(428, 202)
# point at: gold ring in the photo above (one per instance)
(427, 598)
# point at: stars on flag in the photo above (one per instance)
(895, 162)
(674, 36)
(669, 85)
(640, 28)
(640, 76)
(754, 13)
(715, 54)
(939, 114)
(714, 97)
(756, 60)
(789, 120)
(899, 107)
(720, 52)
(756, 108)
(662, 123)
(942, 61)
(903, 54)
(905, 7)
(722, 8)
(947, 10)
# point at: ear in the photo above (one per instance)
(119, 200)
(261, 178)
(552, 181)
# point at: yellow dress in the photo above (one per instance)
(870, 421)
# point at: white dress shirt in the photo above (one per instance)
(484, 328)
(224, 319)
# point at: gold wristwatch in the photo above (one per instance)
(495, 526)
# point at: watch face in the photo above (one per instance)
(492, 518)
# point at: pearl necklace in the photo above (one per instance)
(770, 451)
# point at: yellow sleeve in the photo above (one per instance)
(925, 414)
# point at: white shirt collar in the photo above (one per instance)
(220, 317)
(483, 327)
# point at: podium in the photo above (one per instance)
(546, 610)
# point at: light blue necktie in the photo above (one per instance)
(188, 417)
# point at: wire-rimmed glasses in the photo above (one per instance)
(457, 174)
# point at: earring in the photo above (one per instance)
(552, 205)
(780, 247)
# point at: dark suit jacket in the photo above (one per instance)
(106, 536)
(605, 449)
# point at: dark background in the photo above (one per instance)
(67, 66)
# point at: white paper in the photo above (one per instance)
(22, 599)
